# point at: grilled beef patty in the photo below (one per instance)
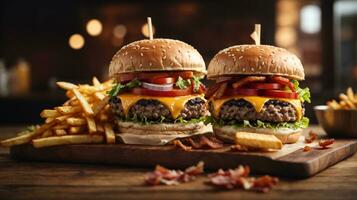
(152, 110)
(273, 111)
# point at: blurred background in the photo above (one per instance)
(45, 41)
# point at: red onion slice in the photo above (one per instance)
(158, 87)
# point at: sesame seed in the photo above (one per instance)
(252, 69)
(131, 57)
(150, 64)
(141, 54)
(240, 57)
(153, 46)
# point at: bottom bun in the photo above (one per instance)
(286, 135)
(158, 134)
(161, 129)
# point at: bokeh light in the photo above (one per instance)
(145, 30)
(94, 27)
(119, 31)
(76, 41)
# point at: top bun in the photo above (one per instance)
(157, 55)
(255, 60)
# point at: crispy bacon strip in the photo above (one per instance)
(198, 142)
(311, 138)
(306, 148)
(220, 92)
(179, 144)
(194, 144)
(164, 176)
(283, 81)
(325, 143)
(248, 79)
(212, 143)
(239, 178)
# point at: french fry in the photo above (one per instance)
(256, 140)
(333, 104)
(75, 121)
(48, 120)
(65, 110)
(350, 95)
(60, 126)
(344, 98)
(96, 83)
(85, 105)
(347, 101)
(67, 139)
(49, 113)
(109, 133)
(61, 118)
(99, 96)
(103, 117)
(47, 133)
(76, 129)
(87, 89)
(92, 128)
(66, 85)
(98, 107)
(60, 132)
(22, 139)
(100, 128)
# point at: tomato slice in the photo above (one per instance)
(125, 77)
(278, 94)
(284, 81)
(266, 86)
(241, 91)
(162, 80)
(171, 93)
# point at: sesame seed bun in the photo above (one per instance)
(157, 55)
(255, 60)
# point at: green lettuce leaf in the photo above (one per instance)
(196, 83)
(303, 123)
(181, 83)
(120, 87)
(304, 93)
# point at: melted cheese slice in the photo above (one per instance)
(174, 104)
(258, 103)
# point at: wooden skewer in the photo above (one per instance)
(150, 29)
(256, 34)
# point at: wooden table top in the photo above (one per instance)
(34, 180)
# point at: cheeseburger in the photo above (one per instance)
(158, 92)
(257, 90)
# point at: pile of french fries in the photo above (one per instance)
(84, 118)
(347, 101)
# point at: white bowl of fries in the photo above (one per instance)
(339, 118)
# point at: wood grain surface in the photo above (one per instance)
(295, 164)
(42, 180)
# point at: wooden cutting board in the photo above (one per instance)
(289, 162)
